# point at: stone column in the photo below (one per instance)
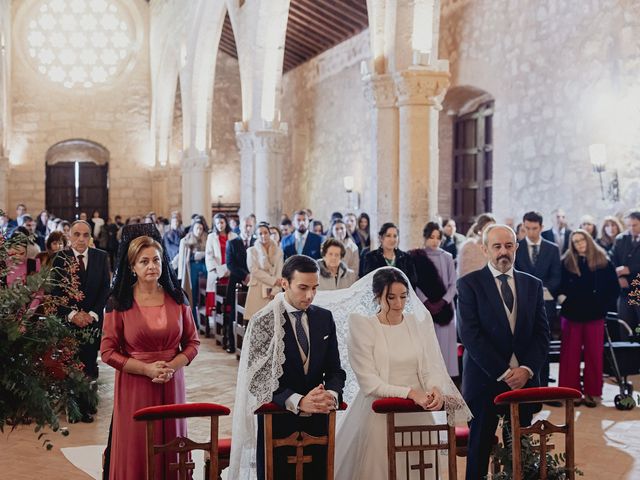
(380, 91)
(4, 183)
(244, 141)
(159, 190)
(196, 189)
(419, 90)
(270, 147)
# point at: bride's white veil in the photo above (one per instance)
(263, 355)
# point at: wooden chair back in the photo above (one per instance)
(298, 440)
(420, 438)
(182, 445)
(541, 428)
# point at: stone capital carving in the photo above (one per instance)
(380, 90)
(244, 141)
(194, 161)
(421, 87)
(271, 141)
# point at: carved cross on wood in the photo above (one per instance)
(421, 466)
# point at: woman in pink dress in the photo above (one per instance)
(148, 337)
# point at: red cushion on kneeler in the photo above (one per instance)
(210, 303)
(395, 405)
(460, 349)
(224, 447)
(182, 410)
(536, 394)
(227, 308)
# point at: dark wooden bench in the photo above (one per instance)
(219, 312)
(240, 323)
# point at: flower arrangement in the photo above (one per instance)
(41, 376)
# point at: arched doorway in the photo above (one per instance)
(77, 179)
(467, 154)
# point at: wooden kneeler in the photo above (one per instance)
(299, 440)
(179, 444)
(542, 428)
(391, 406)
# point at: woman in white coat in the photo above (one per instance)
(215, 252)
(393, 353)
(264, 261)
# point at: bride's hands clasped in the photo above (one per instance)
(428, 400)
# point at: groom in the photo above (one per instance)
(312, 379)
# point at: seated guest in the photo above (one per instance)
(55, 242)
(589, 289)
(33, 248)
(148, 337)
(521, 233)
(352, 256)
(65, 227)
(334, 273)
(389, 255)
(301, 241)
(42, 230)
(470, 255)
(264, 261)
(588, 224)
(286, 226)
(436, 288)
(451, 239)
(611, 228)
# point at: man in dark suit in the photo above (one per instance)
(560, 232)
(236, 257)
(312, 378)
(93, 272)
(541, 258)
(625, 255)
(503, 327)
(302, 241)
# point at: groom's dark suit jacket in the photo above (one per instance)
(324, 367)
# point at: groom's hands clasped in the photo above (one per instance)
(317, 400)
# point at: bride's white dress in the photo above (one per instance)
(361, 441)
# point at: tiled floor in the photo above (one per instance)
(607, 440)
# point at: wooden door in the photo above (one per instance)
(61, 190)
(93, 192)
(472, 165)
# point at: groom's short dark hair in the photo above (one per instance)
(299, 263)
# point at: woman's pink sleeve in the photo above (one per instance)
(111, 347)
(190, 341)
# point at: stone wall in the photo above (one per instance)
(115, 115)
(329, 128)
(564, 76)
(227, 109)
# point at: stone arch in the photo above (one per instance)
(77, 150)
(459, 101)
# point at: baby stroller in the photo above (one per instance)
(622, 360)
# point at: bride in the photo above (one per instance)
(393, 351)
(388, 348)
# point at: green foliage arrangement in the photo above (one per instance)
(40, 376)
(530, 457)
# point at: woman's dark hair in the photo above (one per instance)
(385, 277)
(385, 227)
(431, 227)
(336, 222)
(332, 242)
(273, 228)
(299, 263)
(264, 225)
(316, 223)
(217, 216)
(366, 217)
(56, 236)
(19, 237)
(121, 295)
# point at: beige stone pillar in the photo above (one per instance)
(244, 141)
(418, 90)
(380, 91)
(159, 190)
(270, 147)
(196, 191)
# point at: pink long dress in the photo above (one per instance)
(147, 334)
